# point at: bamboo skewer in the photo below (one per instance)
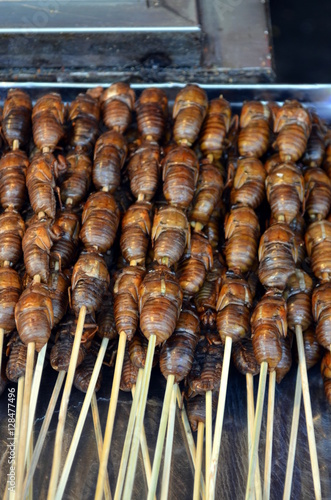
(139, 419)
(269, 436)
(35, 392)
(128, 437)
(308, 412)
(144, 450)
(169, 444)
(111, 416)
(211, 480)
(256, 431)
(293, 438)
(64, 405)
(44, 429)
(198, 462)
(81, 420)
(99, 440)
(250, 423)
(189, 437)
(28, 461)
(161, 436)
(24, 419)
(209, 430)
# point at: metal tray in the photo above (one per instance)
(233, 462)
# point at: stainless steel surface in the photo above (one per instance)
(232, 470)
(151, 40)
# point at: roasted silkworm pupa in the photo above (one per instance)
(196, 409)
(248, 183)
(233, 307)
(13, 167)
(170, 234)
(61, 351)
(318, 246)
(109, 156)
(100, 219)
(16, 352)
(16, 120)
(299, 288)
(12, 230)
(89, 282)
(206, 370)
(105, 318)
(84, 372)
(326, 374)
(292, 123)
(129, 372)
(64, 250)
(318, 189)
(243, 357)
(242, 232)
(152, 112)
(206, 298)
(160, 301)
(34, 315)
(195, 265)
(207, 194)
(189, 112)
(313, 350)
(177, 353)
(285, 192)
(77, 179)
(315, 150)
(58, 284)
(48, 117)
(285, 362)
(180, 176)
(10, 291)
(136, 229)
(137, 350)
(126, 299)
(269, 323)
(117, 103)
(321, 307)
(254, 135)
(215, 128)
(84, 115)
(143, 170)
(278, 256)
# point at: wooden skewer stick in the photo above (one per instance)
(250, 422)
(35, 392)
(209, 430)
(211, 480)
(28, 461)
(144, 449)
(64, 405)
(269, 435)
(189, 437)
(161, 436)
(81, 419)
(198, 461)
(128, 437)
(111, 416)
(19, 404)
(293, 438)
(256, 431)
(308, 412)
(139, 419)
(2, 338)
(98, 437)
(24, 419)
(169, 443)
(43, 431)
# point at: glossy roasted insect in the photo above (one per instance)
(215, 128)
(136, 229)
(129, 373)
(206, 298)
(84, 115)
(16, 352)
(64, 250)
(117, 103)
(318, 194)
(321, 308)
(177, 353)
(152, 113)
(292, 124)
(313, 350)
(242, 231)
(196, 409)
(285, 363)
(13, 167)
(16, 120)
(206, 370)
(76, 182)
(10, 291)
(143, 169)
(84, 372)
(48, 117)
(105, 318)
(315, 150)
(318, 246)
(109, 156)
(160, 301)
(137, 350)
(248, 186)
(100, 219)
(126, 299)
(299, 288)
(233, 307)
(244, 358)
(254, 132)
(326, 374)
(58, 285)
(195, 265)
(12, 230)
(189, 111)
(207, 194)
(269, 323)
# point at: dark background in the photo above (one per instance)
(301, 40)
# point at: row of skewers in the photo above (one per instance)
(163, 288)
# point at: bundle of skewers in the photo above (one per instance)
(137, 241)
